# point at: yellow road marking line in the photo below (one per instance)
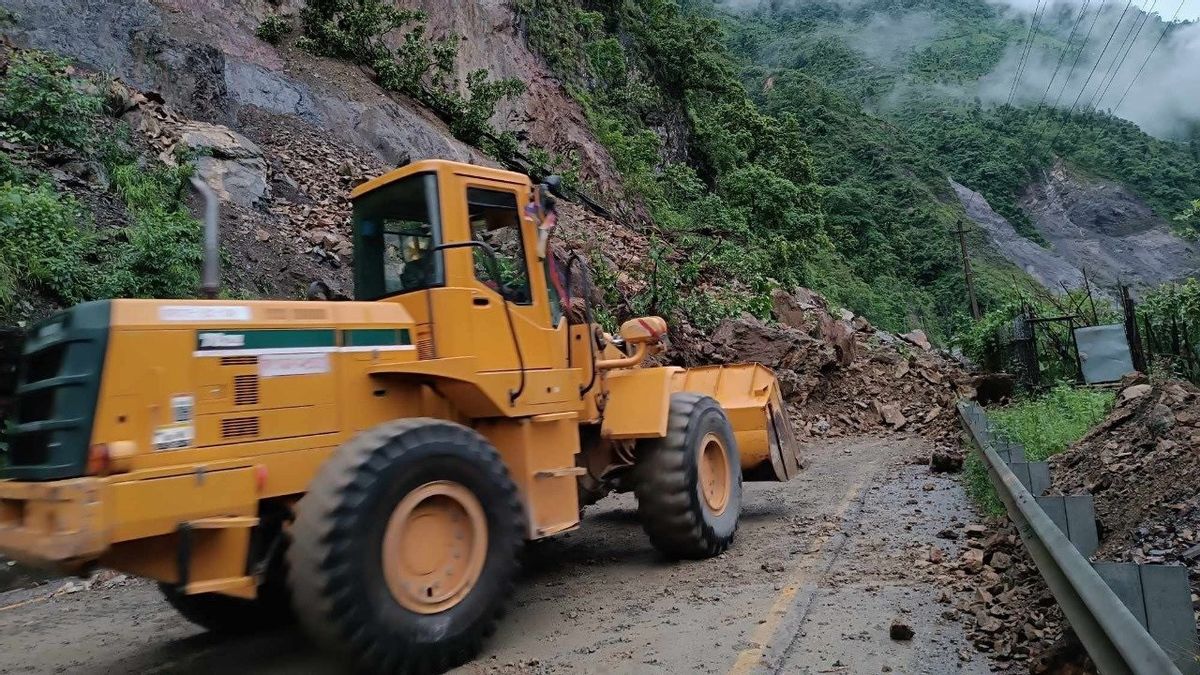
(23, 603)
(750, 657)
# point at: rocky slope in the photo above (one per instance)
(204, 58)
(1143, 466)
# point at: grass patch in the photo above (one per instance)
(979, 486)
(1046, 425)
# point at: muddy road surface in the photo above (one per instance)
(820, 570)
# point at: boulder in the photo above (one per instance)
(231, 164)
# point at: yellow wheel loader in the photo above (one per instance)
(373, 467)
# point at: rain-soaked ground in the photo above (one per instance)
(821, 568)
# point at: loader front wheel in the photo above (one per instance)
(406, 547)
(689, 483)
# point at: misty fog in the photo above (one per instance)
(1163, 99)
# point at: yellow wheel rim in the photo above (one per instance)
(434, 547)
(714, 474)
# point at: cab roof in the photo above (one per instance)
(441, 166)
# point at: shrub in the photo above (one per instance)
(273, 29)
(162, 251)
(360, 31)
(46, 239)
(39, 102)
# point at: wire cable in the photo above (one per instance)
(1149, 54)
(1131, 38)
(1101, 57)
(1033, 22)
(1079, 54)
(1063, 56)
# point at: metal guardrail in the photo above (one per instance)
(1109, 632)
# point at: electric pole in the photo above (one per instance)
(966, 259)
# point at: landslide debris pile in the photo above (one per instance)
(1142, 465)
(994, 589)
(840, 375)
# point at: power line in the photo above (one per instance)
(1134, 33)
(1149, 54)
(1040, 7)
(1063, 56)
(1079, 54)
(1101, 57)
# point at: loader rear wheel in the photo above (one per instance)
(689, 483)
(406, 547)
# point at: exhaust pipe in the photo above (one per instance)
(210, 280)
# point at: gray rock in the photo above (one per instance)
(231, 164)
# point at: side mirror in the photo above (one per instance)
(553, 183)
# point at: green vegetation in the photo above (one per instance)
(273, 29)
(999, 151)
(49, 242)
(1049, 423)
(362, 32)
(916, 63)
(1046, 425)
(46, 240)
(1189, 219)
(40, 103)
(1170, 327)
(794, 185)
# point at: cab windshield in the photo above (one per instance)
(396, 228)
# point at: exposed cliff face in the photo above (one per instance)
(203, 57)
(1093, 225)
(1104, 228)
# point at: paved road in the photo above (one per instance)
(820, 568)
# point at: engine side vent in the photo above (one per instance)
(275, 314)
(245, 390)
(239, 427)
(424, 346)
(239, 360)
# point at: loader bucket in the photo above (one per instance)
(749, 393)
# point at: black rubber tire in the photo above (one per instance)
(227, 615)
(335, 572)
(666, 481)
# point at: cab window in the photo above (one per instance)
(395, 230)
(496, 221)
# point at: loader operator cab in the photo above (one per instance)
(458, 246)
(398, 229)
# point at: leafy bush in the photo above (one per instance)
(161, 253)
(1170, 329)
(39, 102)
(46, 240)
(273, 29)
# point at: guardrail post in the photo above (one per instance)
(1035, 476)
(1114, 629)
(1075, 515)
(1160, 598)
(1010, 451)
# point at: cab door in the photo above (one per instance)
(510, 301)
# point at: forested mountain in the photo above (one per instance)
(816, 139)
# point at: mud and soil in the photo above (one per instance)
(820, 570)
